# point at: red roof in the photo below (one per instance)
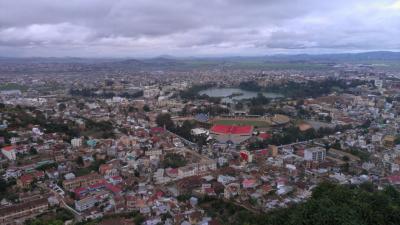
(394, 179)
(113, 188)
(160, 194)
(262, 152)
(229, 129)
(26, 178)
(157, 130)
(264, 136)
(248, 182)
(172, 171)
(8, 148)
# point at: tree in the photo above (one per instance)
(61, 107)
(3, 185)
(173, 160)
(45, 222)
(250, 86)
(185, 130)
(257, 110)
(259, 100)
(329, 204)
(79, 161)
(132, 109)
(239, 106)
(164, 119)
(146, 108)
(33, 151)
(80, 105)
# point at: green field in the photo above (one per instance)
(256, 123)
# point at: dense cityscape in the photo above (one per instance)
(195, 145)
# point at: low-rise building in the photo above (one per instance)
(315, 154)
(82, 181)
(9, 215)
(9, 152)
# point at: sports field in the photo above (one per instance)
(251, 122)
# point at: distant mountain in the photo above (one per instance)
(166, 62)
(364, 56)
(163, 61)
(34, 60)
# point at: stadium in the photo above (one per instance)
(231, 133)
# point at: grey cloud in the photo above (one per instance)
(152, 27)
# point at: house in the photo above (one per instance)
(131, 202)
(9, 152)
(25, 181)
(231, 190)
(85, 203)
(171, 172)
(187, 171)
(389, 141)
(249, 183)
(82, 181)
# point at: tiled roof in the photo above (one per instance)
(8, 148)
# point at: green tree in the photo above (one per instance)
(61, 107)
(173, 160)
(146, 108)
(164, 119)
(257, 110)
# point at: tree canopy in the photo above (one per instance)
(330, 204)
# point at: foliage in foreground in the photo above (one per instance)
(329, 204)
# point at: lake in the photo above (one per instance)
(230, 95)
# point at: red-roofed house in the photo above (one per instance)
(25, 181)
(9, 152)
(171, 172)
(231, 133)
(157, 130)
(249, 183)
(264, 136)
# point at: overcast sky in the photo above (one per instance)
(143, 28)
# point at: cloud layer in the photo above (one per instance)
(196, 27)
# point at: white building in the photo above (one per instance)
(378, 83)
(85, 204)
(187, 171)
(315, 154)
(76, 142)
